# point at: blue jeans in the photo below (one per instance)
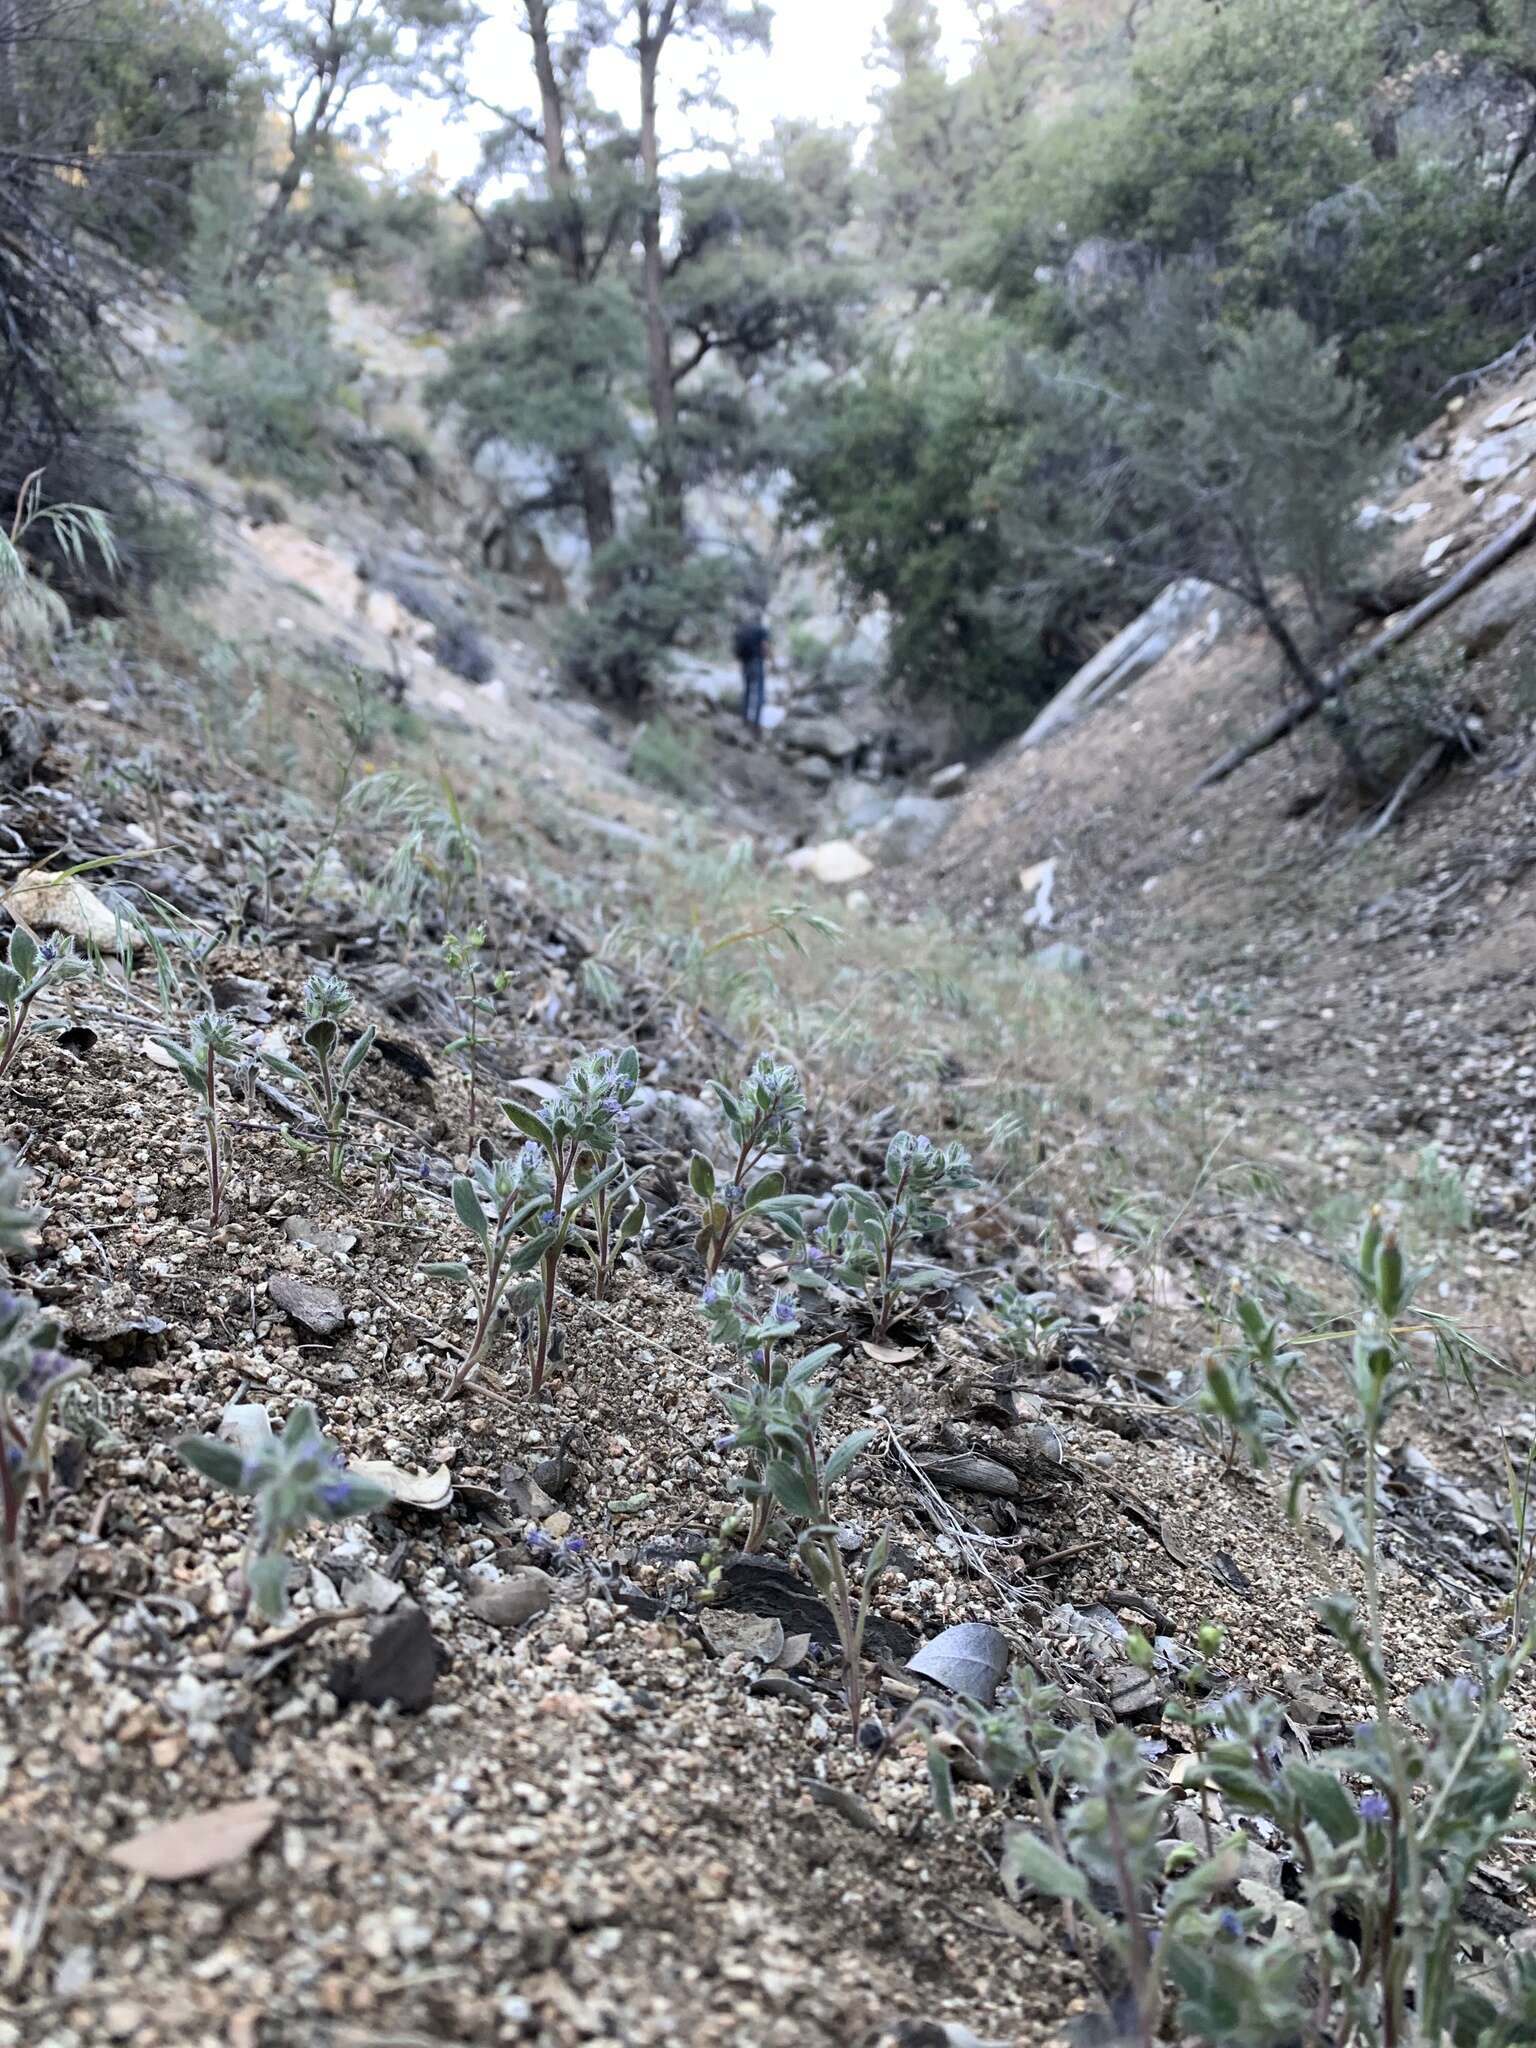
(754, 679)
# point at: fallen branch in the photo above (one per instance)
(1433, 757)
(1480, 375)
(1351, 670)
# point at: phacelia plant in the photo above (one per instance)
(756, 1340)
(293, 1479)
(777, 1422)
(1380, 1840)
(327, 1001)
(499, 1202)
(212, 1038)
(578, 1134)
(764, 1117)
(31, 966)
(34, 1372)
(563, 1184)
(19, 1215)
(1032, 1325)
(478, 989)
(864, 1243)
(1248, 1386)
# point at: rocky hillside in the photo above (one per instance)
(535, 1755)
(1374, 968)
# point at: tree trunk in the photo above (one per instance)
(9, 126)
(557, 168)
(1351, 669)
(1333, 711)
(265, 246)
(597, 508)
(658, 338)
(597, 502)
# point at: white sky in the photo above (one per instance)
(816, 71)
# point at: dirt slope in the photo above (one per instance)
(616, 1821)
(1383, 986)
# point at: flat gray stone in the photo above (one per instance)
(317, 1309)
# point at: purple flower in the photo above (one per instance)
(1229, 1923)
(44, 1368)
(1374, 1808)
(576, 1545)
(725, 1443)
(710, 1295)
(335, 1494)
(784, 1309)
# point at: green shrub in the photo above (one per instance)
(648, 587)
(668, 757)
(264, 384)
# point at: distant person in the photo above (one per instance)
(752, 637)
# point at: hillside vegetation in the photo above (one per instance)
(857, 1383)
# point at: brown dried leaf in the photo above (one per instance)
(198, 1842)
(890, 1354)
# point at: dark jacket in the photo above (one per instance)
(751, 640)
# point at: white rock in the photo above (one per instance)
(1507, 505)
(834, 862)
(1038, 882)
(1506, 414)
(63, 903)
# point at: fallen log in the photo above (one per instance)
(1356, 665)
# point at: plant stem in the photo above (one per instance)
(562, 1166)
(15, 1031)
(13, 1494)
(211, 1126)
(1143, 1980)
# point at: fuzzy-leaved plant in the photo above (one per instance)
(211, 1038)
(19, 1214)
(578, 1132)
(505, 1205)
(1381, 1840)
(291, 1480)
(1248, 1386)
(865, 1243)
(1032, 1324)
(756, 1339)
(327, 1001)
(478, 988)
(764, 1118)
(34, 1372)
(31, 966)
(777, 1421)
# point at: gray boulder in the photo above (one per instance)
(828, 737)
(431, 593)
(914, 824)
(1494, 610)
